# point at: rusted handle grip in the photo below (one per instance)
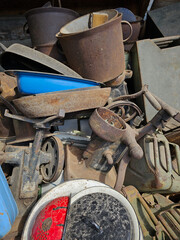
(135, 150)
(153, 101)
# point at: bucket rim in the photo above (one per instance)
(90, 30)
(50, 9)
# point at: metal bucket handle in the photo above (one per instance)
(131, 30)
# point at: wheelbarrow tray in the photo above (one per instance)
(48, 104)
(38, 82)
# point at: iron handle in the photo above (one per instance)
(131, 30)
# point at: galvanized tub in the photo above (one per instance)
(95, 53)
(44, 23)
(47, 104)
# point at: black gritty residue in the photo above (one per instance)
(98, 216)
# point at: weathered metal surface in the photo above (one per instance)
(170, 218)
(16, 158)
(52, 170)
(162, 63)
(25, 163)
(159, 170)
(111, 127)
(127, 110)
(118, 80)
(107, 125)
(20, 57)
(75, 167)
(151, 227)
(53, 50)
(8, 86)
(23, 131)
(136, 26)
(7, 91)
(163, 22)
(45, 22)
(103, 60)
(6, 125)
(33, 157)
(42, 105)
(167, 212)
(43, 123)
(94, 154)
(174, 136)
(118, 90)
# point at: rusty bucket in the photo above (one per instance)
(98, 52)
(44, 23)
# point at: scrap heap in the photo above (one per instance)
(89, 125)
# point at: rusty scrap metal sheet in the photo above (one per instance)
(42, 105)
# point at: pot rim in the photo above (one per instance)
(50, 9)
(111, 112)
(117, 16)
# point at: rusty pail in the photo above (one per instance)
(45, 22)
(98, 52)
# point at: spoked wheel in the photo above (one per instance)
(125, 109)
(52, 170)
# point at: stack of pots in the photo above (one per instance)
(43, 24)
(95, 53)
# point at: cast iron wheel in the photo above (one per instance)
(52, 170)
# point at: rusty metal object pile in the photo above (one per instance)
(99, 133)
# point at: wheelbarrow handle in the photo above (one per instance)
(153, 100)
